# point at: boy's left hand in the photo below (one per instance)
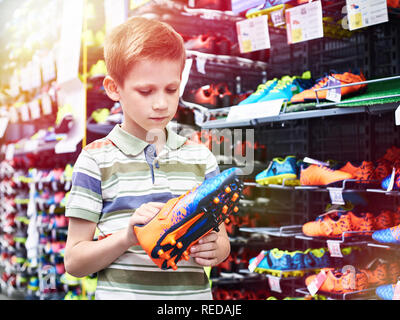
(205, 251)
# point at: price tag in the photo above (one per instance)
(364, 13)
(336, 195)
(274, 283)
(34, 109)
(253, 265)
(334, 248)
(396, 293)
(335, 93)
(277, 18)
(253, 34)
(314, 286)
(304, 22)
(46, 104)
(256, 110)
(24, 112)
(10, 152)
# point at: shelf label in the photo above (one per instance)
(253, 34)
(304, 22)
(397, 116)
(335, 93)
(314, 286)
(364, 13)
(336, 196)
(253, 265)
(277, 18)
(334, 248)
(274, 283)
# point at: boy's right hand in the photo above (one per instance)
(141, 216)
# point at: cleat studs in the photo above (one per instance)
(186, 258)
(172, 242)
(235, 196)
(228, 190)
(179, 245)
(216, 200)
(160, 252)
(225, 209)
(227, 220)
(167, 256)
(235, 209)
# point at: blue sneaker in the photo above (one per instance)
(317, 258)
(389, 235)
(289, 86)
(385, 291)
(285, 260)
(278, 170)
(261, 91)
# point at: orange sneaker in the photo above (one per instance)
(384, 220)
(378, 273)
(315, 175)
(183, 221)
(338, 282)
(362, 221)
(345, 78)
(365, 171)
(383, 169)
(331, 225)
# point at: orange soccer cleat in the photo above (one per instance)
(365, 172)
(345, 78)
(183, 221)
(315, 175)
(338, 282)
(331, 225)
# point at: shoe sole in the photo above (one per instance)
(288, 179)
(211, 211)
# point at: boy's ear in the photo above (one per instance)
(111, 88)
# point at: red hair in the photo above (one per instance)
(140, 38)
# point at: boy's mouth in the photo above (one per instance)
(159, 119)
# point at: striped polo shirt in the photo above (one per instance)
(115, 175)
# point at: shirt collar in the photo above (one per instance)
(129, 144)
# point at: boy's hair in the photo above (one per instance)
(140, 38)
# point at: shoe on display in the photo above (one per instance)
(317, 258)
(168, 237)
(345, 78)
(384, 220)
(280, 171)
(362, 221)
(262, 90)
(338, 282)
(331, 225)
(364, 172)
(286, 260)
(288, 86)
(385, 292)
(318, 175)
(377, 273)
(389, 235)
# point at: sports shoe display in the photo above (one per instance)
(279, 171)
(288, 86)
(316, 175)
(345, 78)
(168, 237)
(262, 90)
(365, 172)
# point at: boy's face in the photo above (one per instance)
(149, 95)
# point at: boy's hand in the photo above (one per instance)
(205, 251)
(141, 216)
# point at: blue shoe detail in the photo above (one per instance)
(389, 235)
(262, 90)
(285, 260)
(317, 258)
(277, 167)
(385, 292)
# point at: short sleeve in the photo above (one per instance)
(85, 198)
(212, 168)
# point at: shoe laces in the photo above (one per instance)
(283, 83)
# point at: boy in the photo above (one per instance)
(125, 178)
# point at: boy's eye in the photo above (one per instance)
(144, 92)
(172, 90)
